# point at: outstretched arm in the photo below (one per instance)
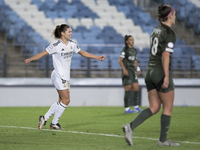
(35, 57)
(89, 55)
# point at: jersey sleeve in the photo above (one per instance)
(51, 49)
(122, 53)
(76, 48)
(135, 54)
(169, 44)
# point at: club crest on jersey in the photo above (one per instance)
(71, 47)
(170, 45)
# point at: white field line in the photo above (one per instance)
(102, 134)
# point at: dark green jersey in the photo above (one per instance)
(129, 55)
(161, 40)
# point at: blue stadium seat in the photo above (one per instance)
(114, 64)
(62, 2)
(81, 29)
(117, 50)
(37, 2)
(65, 14)
(51, 14)
(148, 29)
(191, 20)
(0, 64)
(58, 8)
(196, 62)
(94, 49)
(196, 65)
(182, 2)
(181, 16)
(12, 32)
(95, 29)
(188, 50)
(177, 50)
(76, 62)
(98, 65)
(145, 50)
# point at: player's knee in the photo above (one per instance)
(168, 109)
(66, 101)
(155, 108)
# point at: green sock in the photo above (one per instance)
(136, 98)
(126, 98)
(165, 122)
(146, 113)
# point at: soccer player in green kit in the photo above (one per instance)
(128, 62)
(158, 77)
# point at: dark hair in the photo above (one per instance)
(60, 28)
(125, 39)
(163, 11)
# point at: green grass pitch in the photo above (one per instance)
(94, 128)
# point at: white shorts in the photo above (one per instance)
(60, 84)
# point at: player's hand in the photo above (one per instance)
(125, 72)
(138, 72)
(26, 61)
(165, 83)
(101, 58)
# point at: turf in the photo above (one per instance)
(87, 120)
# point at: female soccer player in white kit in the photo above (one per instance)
(62, 50)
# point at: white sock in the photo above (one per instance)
(59, 111)
(136, 106)
(127, 108)
(51, 111)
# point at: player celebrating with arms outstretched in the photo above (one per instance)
(158, 77)
(62, 50)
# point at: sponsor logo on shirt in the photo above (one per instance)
(131, 58)
(67, 55)
(62, 49)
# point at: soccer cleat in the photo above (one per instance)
(137, 109)
(42, 122)
(168, 143)
(130, 111)
(128, 134)
(55, 126)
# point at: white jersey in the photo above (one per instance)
(62, 56)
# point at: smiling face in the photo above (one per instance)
(130, 41)
(67, 34)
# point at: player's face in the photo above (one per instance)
(67, 34)
(130, 41)
(173, 17)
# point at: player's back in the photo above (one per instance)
(162, 39)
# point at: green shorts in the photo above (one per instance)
(130, 79)
(154, 79)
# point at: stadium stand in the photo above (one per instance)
(95, 25)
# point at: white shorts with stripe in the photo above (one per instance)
(60, 84)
